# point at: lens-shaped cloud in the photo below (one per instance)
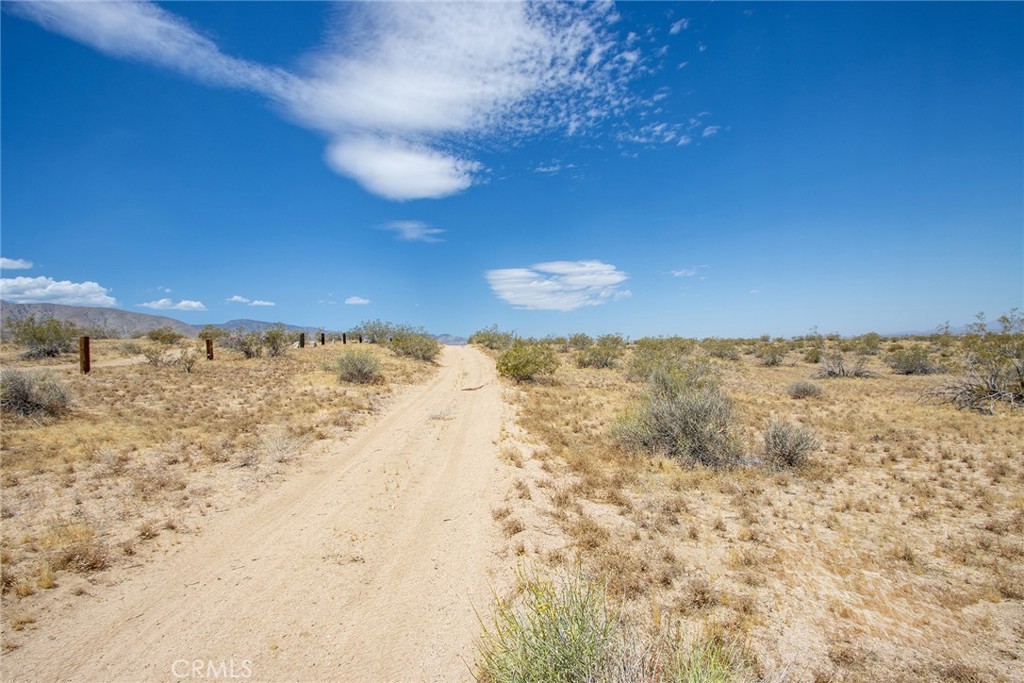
(559, 285)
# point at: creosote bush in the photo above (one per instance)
(276, 341)
(912, 361)
(493, 338)
(419, 346)
(787, 445)
(164, 335)
(682, 414)
(650, 353)
(359, 367)
(602, 354)
(834, 365)
(44, 338)
(28, 393)
(524, 362)
(249, 344)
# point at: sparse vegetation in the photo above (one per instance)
(164, 335)
(418, 345)
(604, 353)
(46, 338)
(276, 341)
(834, 364)
(28, 393)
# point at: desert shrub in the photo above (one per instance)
(419, 346)
(28, 393)
(787, 445)
(834, 365)
(578, 341)
(276, 340)
(721, 348)
(912, 361)
(187, 358)
(376, 331)
(155, 355)
(812, 354)
(249, 344)
(359, 367)
(557, 632)
(985, 381)
(869, 344)
(803, 389)
(493, 338)
(650, 353)
(602, 354)
(684, 415)
(211, 332)
(771, 354)
(523, 362)
(100, 332)
(44, 338)
(164, 335)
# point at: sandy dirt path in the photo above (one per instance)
(366, 567)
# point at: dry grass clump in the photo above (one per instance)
(787, 445)
(358, 367)
(803, 389)
(684, 415)
(566, 630)
(834, 364)
(28, 393)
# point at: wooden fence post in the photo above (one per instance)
(84, 361)
(344, 340)
(323, 339)
(209, 349)
(360, 339)
(302, 340)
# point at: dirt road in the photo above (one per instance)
(367, 567)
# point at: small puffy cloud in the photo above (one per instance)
(413, 231)
(679, 26)
(356, 301)
(237, 299)
(14, 263)
(168, 305)
(558, 285)
(261, 302)
(710, 130)
(32, 290)
(401, 171)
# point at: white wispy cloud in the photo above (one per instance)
(14, 263)
(356, 301)
(261, 302)
(27, 290)
(236, 299)
(678, 26)
(169, 305)
(413, 231)
(709, 131)
(404, 92)
(558, 285)
(692, 271)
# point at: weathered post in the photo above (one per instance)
(344, 339)
(360, 339)
(84, 361)
(209, 349)
(323, 339)
(302, 340)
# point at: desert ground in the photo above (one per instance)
(259, 517)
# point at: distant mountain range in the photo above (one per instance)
(128, 323)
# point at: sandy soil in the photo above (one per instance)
(368, 567)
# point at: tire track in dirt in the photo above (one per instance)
(366, 568)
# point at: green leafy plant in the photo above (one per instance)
(493, 338)
(415, 345)
(44, 338)
(525, 362)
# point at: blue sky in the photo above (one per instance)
(725, 169)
